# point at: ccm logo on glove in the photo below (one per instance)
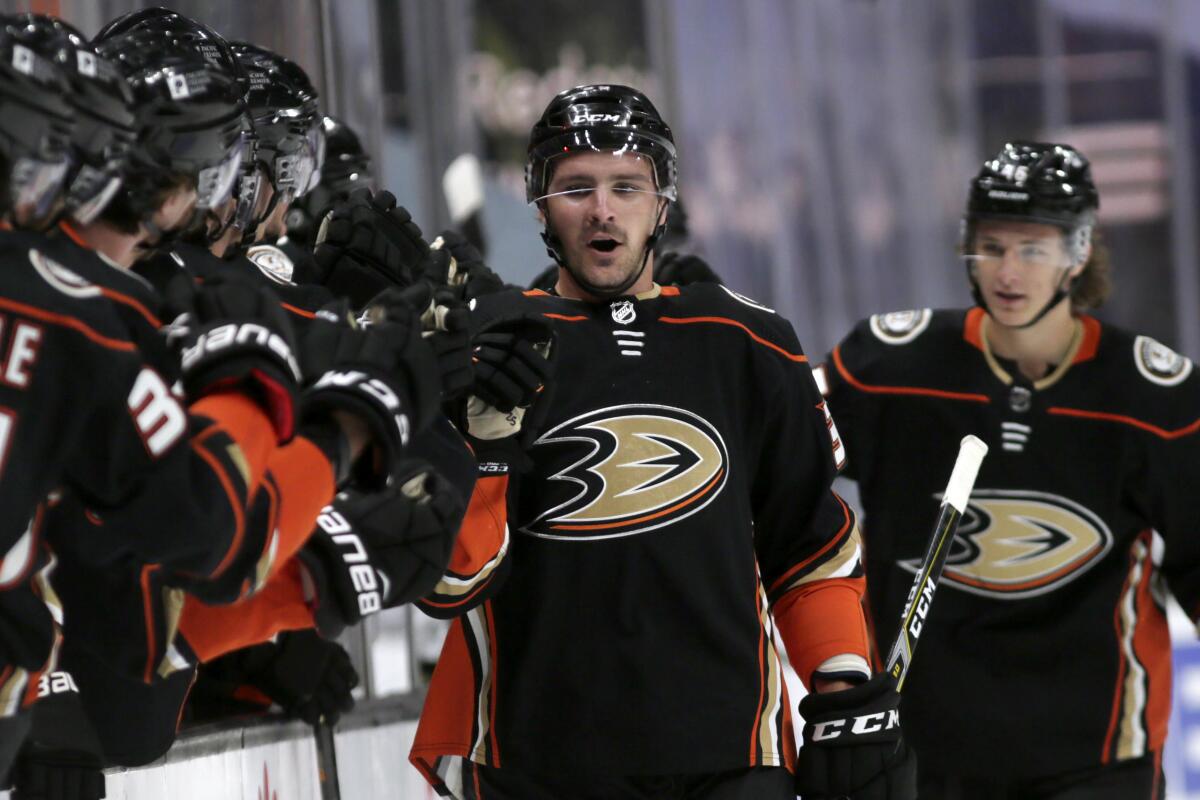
(868, 723)
(231, 334)
(364, 576)
(374, 387)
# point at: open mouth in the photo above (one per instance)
(1009, 297)
(603, 244)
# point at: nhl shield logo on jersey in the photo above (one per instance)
(623, 312)
(272, 262)
(900, 327)
(1159, 363)
(1015, 544)
(631, 469)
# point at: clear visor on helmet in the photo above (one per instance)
(214, 185)
(1026, 243)
(298, 172)
(614, 176)
(36, 186)
(91, 191)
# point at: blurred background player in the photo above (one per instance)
(1045, 669)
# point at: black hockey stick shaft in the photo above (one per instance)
(920, 595)
(327, 769)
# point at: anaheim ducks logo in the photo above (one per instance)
(638, 468)
(1014, 544)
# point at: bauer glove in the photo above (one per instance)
(382, 549)
(234, 336)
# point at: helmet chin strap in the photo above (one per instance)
(555, 249)
(1061, 293)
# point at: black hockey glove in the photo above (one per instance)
(62, 758)
(512, 368)
(445, 325)
(307, 676)
(234, 336)
(678, 269)
(367, 243)
(853, 747)
(467, 272)
(382, 549)
(386, 374)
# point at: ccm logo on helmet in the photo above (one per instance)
(231, 334)
(856, 726)
(362, 575)
(580, 116)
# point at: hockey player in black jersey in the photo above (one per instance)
(667, 509)
(1045, 671)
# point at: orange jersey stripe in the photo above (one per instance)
(902, 390)
(300, 312)
(67, 322)
(1162, 433)
(797, 357)
(836, 541)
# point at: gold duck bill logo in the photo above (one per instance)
(634, 468)
(1015, 544)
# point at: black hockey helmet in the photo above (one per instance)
(599, 117)
(36, 125)
(1035, 182)
(188, 102)
(282, 103)
(347, 167)
(105, 125)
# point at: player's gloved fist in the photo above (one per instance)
(512, 367)
(61, 759)
(445, 325)
(680, 269)
(234, 336)
(377, 550)
(367, 243)
(307, 676)
(385, 374)
(467, 271)
(853, 747)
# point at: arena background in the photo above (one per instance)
(825, 147)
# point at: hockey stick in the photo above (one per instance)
(327, 769)
(920, 596)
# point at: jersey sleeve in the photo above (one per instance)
(479, 560)
(806, 536)
(1171, 476)
(175, 481)
(280, 517)
(210, 631)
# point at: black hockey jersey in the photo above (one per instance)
(78, 408)
(680, 493)
(1047, 649)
